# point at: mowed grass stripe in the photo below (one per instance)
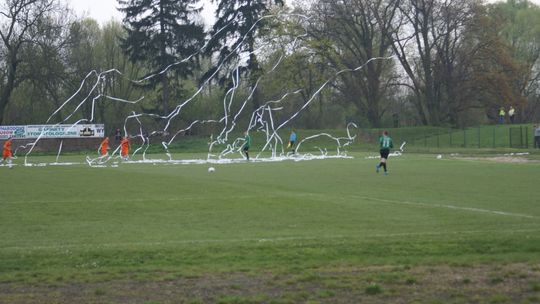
(266, 240)
(273, 218)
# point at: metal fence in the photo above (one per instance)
(493, 136)
(519, 137)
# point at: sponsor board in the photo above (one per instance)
(53, 131)
(16, 132)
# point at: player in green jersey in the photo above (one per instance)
(247, 144)
(385, 144)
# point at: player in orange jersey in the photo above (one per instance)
(104, 147)
(124, 148)
(7, 154)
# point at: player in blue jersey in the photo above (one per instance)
(292, 141)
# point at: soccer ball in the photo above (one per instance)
(211, 169)
(439, 156)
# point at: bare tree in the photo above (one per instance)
(17, 19)
(351, 33)
(427, 40)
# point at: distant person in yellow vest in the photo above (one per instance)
(502, 113)
(511, 114)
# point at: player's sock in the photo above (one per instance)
(384, 166)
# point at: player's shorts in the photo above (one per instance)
(245, 149)
(292, 142)
(385, 153)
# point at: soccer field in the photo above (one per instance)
(66, 225)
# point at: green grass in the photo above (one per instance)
(140, 222)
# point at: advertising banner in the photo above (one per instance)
(53, 131)
(16, 132)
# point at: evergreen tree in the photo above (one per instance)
(234, 34)
(161, 33)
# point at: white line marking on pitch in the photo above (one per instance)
(496, 212)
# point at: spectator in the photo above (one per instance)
(117, 135)
(502, 114)
(511, 114)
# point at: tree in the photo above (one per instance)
(83, 58)
(118, 86)
(427, 39)
(234, 34)
(17, 19)
(349, 34)
(520, 29)
(161, 33)
(483, 72)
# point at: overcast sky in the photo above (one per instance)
(105, 10)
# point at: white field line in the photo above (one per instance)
(262, 240)
(472, 209)
(279, 239)
(128, 200)
(198, 197)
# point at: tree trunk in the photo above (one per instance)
(10, 84)
(253, 78)
(165, 94)
(372, 95)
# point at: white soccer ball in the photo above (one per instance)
(439, 156)
(211, 169)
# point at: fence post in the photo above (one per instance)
(526, 137)
(494, 137)
(478, 137)
(521, 137)
(510, 137)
